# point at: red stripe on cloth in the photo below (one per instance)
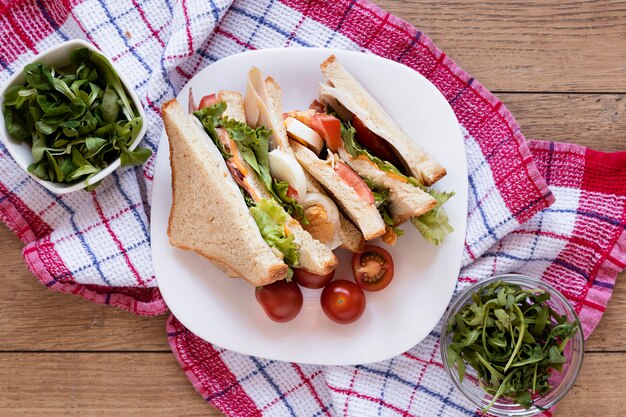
(188, 28)
(307, 380)
(120, 247)
(22, 217)
(375, 400)
(605, 172)
(208, 373)
(147, 23)
(42, 258)
(232, 37)
(524, 190)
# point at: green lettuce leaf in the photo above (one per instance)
(254, 147)
(354, 148)
(434, 225)
(271, 219)
(289, 203)
(381, 200)
(210, 119)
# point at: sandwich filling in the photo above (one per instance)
(432, 225)
(238, 142)
(341, 136)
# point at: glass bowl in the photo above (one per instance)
(561, 382)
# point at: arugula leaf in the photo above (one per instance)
(491, 334)
(271, 220)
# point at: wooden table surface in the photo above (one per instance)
(559, 66)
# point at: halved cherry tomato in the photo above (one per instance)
(353, 180)
(310, 280)
(343, 301)
(372, 268)
(208, 101)
(374, 143)
(329, 128)
(281, 300)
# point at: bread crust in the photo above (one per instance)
(199, 200)
(364, 215)
(345, 89)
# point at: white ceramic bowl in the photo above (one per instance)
(21, 151)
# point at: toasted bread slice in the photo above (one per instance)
(315, 257)
(362, 213)
(208, 214)
(346, 90)
(406, 199)
(351, 238)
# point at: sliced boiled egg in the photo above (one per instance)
(323, 217)
(304, 135)
(285, 167)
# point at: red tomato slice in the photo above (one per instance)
(353, 180)
(372, 268)
(343, 301)
(208, 101)
(374, 143)
(329, 128)
(291, 192)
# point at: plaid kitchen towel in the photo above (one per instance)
(545, 209)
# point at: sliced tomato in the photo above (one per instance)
(374, 143)
(208, 101)
(372, 268)
(291, 192)
(353, 180)
(329, 128)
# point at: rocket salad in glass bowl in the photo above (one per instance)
(513, 345)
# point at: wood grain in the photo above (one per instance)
(97, 384)
(140, 384)
(512, 45)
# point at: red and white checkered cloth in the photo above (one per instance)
(545, 209)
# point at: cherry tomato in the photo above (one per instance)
(353, 180)
(372, 268)
(343, 301)
(281, 300)
(374, 143)
(329, 128)
(310, 280)
(208, 101)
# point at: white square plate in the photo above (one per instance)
(224, 311)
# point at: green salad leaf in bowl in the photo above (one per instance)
(79, 118)
(518, 339)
